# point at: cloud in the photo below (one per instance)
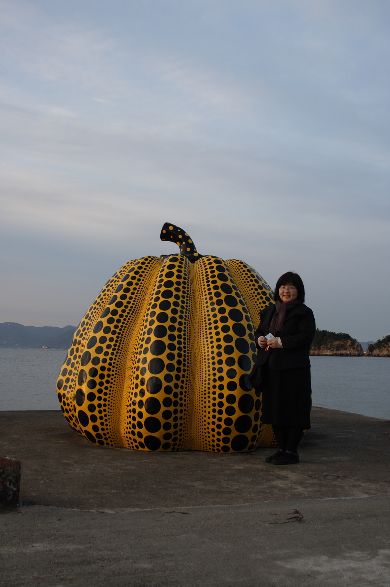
(267, 141)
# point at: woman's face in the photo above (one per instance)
(288, 292)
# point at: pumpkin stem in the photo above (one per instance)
(170, 232)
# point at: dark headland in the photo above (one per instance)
(100, 516)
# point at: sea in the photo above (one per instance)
(359, 385)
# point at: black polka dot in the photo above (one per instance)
(98, 326)
(240, 442)
(239, 329)
(246, 404)
(154, 385)
(162, 317)
(242, 345)
(86, 357)
(152, 442)
(245, 383)
(80, 396)
(160, 331)
(157, 347)
(243, 424)
(235, 315)
(83, 418)
(244, 362)
(156, 366)
(82, 376)
(152, 424)
(152, 405)
(226, 288)
(92, 341)
(89, 436)
(231, 385)
(231, 301)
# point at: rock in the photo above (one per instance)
(335, 344)
(380, 348)
(9, 482)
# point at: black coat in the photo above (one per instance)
(296, 335)
(283, 375)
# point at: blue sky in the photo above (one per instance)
(261, 128)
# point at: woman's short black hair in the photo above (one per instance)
(294, 279)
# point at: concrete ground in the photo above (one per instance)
(99, 516)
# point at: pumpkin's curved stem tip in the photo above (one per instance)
(170, 232)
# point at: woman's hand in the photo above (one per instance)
(274, 343)
(262, 342)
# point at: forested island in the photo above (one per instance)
(326, 343)
(380, 348)
(335, 344)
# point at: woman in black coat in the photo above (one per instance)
(282, 371)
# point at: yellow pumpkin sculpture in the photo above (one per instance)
(161, 360)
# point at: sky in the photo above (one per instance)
(261, 128)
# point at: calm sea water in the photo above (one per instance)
(352, 384)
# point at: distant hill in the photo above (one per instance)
(335, 344)
(13, 335)
(380, 348)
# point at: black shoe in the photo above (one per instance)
(276, 455)
(287, 458)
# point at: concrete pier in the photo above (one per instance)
(100, 516)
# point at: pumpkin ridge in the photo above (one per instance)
(160, 375)
(130, 345)
(102, 364)
(69, 373)
(122, 312)
(257, 295)
(226, 410)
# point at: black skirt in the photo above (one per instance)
(286, 396)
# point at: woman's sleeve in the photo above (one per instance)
(262, 320)
(305, 332)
